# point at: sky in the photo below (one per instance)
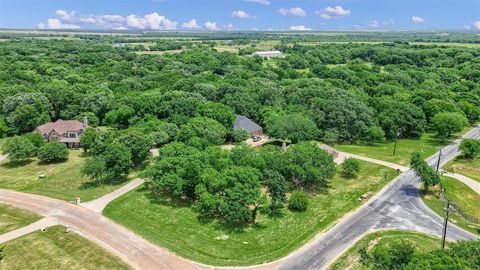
(218, 15)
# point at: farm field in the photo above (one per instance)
(266, 240)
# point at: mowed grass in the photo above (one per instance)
(463, 196)
(467, 167)
(176, 226)
(63, 180)
(351, 259)
(55, 249)
(427, 145)
(12, 218)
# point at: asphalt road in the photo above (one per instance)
(397, 206)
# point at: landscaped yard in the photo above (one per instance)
(467, 167)
(427, 145)
(55, 249)
(62, 181)
(467, 199)
(350, 259)
(12, 218)
(176, 226)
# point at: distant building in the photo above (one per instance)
(252, 128)
(64, 131)
(268, 54)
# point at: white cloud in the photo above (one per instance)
(417, 19)
(240, 14)
(377, 24)
(192, 24)
(211, 25)
(476, 25)
(263, 2)
(69, 20)
(299, 28)
(65, 15)
(152, 21)
(57, 24)
(229, 26)
(295, 11)
(333, 12)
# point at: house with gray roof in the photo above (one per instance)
(252, 128)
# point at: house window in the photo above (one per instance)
(72, 135)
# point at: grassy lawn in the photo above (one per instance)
(176, 225)
(427, 145)
(467, 167)
(467, 199)
(63, 180)
(12, 218)
(350, 259)
(55, 249)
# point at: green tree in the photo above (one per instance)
(53, 152)
(18, 148)
(445, 124)
(470, 148)
(375, 135)
(238, 135)
(88, 138)
(120, 117)
(219, 112)
(298, 201)
(309, 166)
(26, 111)
(428, 176)
(138, 144)
(350, 167)
(36, 139)
(204, 128)
(295, 127)
(277, 187)
(394, 256)
(113, 164)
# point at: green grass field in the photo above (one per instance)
(63, 180)
(467, 199)
(55, 249)
(467, 167)
(12, 218)
(427, 145)
(177, 227)
(350, 259)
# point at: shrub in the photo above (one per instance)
(350, 167)
(470, 148)
(238, 135)
(298, 201)
(53, 152)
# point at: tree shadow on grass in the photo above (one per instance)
(15, 164)
(95, 184)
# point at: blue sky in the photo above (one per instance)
(241, 14)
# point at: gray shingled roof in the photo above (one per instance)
(242, 122)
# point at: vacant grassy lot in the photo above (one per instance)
(350, 259)
(467, 199)
(467, 167)
(427, 145)
(176, 226)
(63, 180)
(55, 249)
(12, 218)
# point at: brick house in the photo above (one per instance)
(65, 131)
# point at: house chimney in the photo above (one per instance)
(85, 121)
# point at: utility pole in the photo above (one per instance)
(444, 236)
(395, 145)
(439, 157)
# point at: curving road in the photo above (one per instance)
(397, 206)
